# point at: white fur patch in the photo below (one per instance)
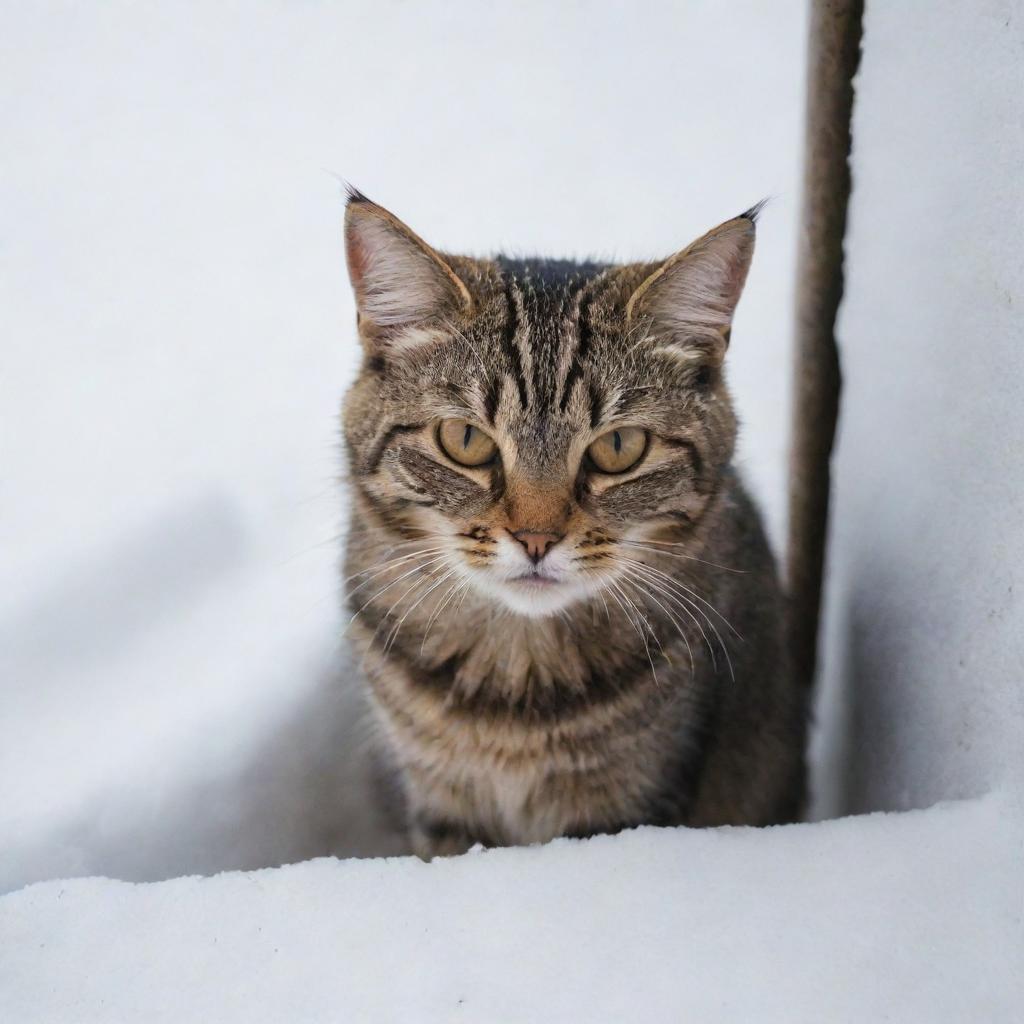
(503, 581)
(413, 338)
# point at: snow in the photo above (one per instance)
(837, 921)
(177, 333)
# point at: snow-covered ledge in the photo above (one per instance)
(902, 917)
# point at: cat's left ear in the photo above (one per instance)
(400, 282)
(690, 299)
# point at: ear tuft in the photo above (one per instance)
(353, 195)
(399, 280)
(754, 212)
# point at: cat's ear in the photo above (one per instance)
(400, 282)
(689, 300)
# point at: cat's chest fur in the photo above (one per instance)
(522, 733)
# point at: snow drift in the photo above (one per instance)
(901, 917)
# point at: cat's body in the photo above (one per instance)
(567, 609)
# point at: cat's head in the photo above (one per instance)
(538, 422)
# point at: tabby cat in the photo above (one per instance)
(568, 614)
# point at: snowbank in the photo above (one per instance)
(912, 917)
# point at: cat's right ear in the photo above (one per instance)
(400, 282)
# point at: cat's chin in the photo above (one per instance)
(534, 597)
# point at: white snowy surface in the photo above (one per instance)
(923, 689)
(906, 918)
(178, 330)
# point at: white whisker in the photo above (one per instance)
(663, 585)
(405, 575)
(673, 619)
(376, 570)
(676, 582)
(675, 554)
(449, 595)
(643, 636)
(398, 625)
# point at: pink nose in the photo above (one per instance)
(537, 544)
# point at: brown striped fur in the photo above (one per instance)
(642, 680)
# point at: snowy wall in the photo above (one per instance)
(178, 330)
(923, 694)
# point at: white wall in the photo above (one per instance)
(177, 334)
(924, 639)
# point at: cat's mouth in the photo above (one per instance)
(535, 579)
(537, 592)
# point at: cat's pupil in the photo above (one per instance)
(617, 441)
(466, 436)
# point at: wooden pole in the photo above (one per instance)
(833, 55)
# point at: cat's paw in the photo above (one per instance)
(432, 837)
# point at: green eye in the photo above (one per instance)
(465, 444)
(618, 450)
